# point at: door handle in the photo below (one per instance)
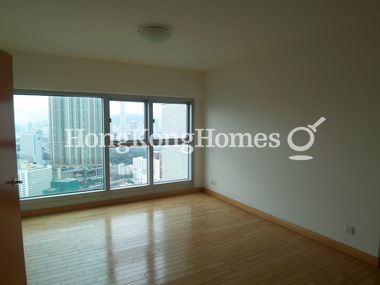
(14, 182)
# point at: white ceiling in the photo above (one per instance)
(207, 33)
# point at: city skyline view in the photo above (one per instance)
(48, 167)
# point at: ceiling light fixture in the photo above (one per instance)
(154, 33)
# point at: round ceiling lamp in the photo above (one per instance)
(154, 33)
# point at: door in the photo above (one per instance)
(12, 266)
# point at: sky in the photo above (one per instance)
(130, 108)
(133, 108)
(29, 108)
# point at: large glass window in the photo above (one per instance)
(51, 157)
(127, 120)
(128, 157)
(128, 166)
(62, 147)
(171, 153)
(170, 120)
(171, 163)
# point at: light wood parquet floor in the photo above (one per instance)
(188, 239)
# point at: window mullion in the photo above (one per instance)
(190, 119)
(149, 121)
(106, 127)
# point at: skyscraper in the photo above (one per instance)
(74, 113)
(36, 179)
(174, 119)
(157, 169)
(123, 128)
(31, 147)
(175, 164)
(140, 169)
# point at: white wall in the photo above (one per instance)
(276, 92)
(294, 86)
(49, 72)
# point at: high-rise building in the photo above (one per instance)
(156, 169)
(36, 179)
(31, 147)
(74, 113)
(174, 119)
(123, 122)
(175, 164)
(139, 165)
(122, 169)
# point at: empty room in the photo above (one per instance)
(189, 142)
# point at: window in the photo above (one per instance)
(60, 143)
(171, 160)
(171, 163)
(170, 120)
(127, 120)
(128, 158)
(45, 164)
(128, 166)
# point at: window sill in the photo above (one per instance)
(101, 195)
